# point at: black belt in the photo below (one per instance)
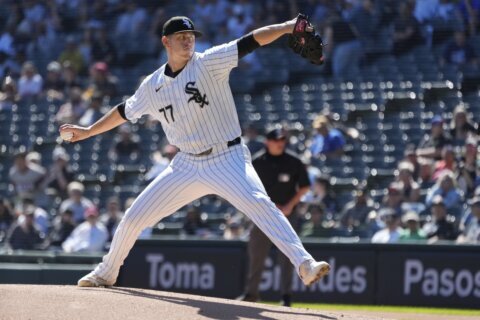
(230, 143)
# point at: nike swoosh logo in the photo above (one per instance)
(156, 89)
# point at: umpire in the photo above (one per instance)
(286, 180)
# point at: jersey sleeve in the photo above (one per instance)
(220, 60)
(139, 104)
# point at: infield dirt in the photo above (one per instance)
(70, 302)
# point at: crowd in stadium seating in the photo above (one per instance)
(67, 61)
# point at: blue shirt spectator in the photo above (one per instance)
(327, 141)
(446, 188)
(459, 52)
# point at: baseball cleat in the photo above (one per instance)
(91, 280)
(312, 271)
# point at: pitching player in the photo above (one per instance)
(191, 97)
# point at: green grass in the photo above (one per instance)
(350, 307)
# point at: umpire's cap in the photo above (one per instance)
(179, 24)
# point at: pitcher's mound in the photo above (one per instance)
(69, 302)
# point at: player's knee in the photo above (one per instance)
(263, 200)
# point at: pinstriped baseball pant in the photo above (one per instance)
(227, 172)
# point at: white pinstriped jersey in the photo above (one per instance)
(196, 108)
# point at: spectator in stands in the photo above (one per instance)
(35, 158)
(6, 218)
(70, 76)
(127, 149)
(161, 160)
(132, 21)
(425, 179)
(431, 146)
(470, 10)
(252, 139)
(410, 189)
(394, 198)
(355, 213)
(317, 226)
(112, 216)
(220, 14)
(103, 49)
(365, 20)
(54, 85)
(76, 201)
(8, 94)
(93, 112)
(41, 219)
(7, 45)
(407, 34)
(89, 236)
(30, 83)
(24, 236)
(234, 229)
(412, 230)
(471, 230)
(392, 231)
(321, 193)
(461, 126)
(63, 226)
(73, 55)
(448, 162)
(85, 46)
(26, 177)
(72, 110)
(59, 175)
(8, 67)
(193, 224)
(467, 168)
(239, 23)
(446, 188)
(327, 140)
(343, 48)
(411, 157)
(440, 227)
(101, 81)
(459, 52)
(201, 13)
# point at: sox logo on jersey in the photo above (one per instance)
(196, 95)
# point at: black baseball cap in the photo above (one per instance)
(179, 24)
(276, 134)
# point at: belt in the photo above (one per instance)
(230, 143)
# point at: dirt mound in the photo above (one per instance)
(69, 302)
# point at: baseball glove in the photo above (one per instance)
(305, 41)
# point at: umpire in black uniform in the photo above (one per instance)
(286, 180)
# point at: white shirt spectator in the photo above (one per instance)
(386, 236)
(86, 238)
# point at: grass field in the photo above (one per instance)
(397, 309)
